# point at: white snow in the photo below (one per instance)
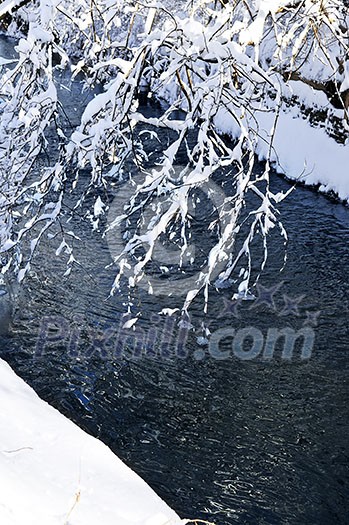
(52, 472)
(308, 154)
(98, 208)
(7, 6)
(300, 151)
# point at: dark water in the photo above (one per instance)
(230, 441)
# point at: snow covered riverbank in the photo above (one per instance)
(309, 155)
(51, 472)
(300, 152)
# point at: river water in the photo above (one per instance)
(228, 440)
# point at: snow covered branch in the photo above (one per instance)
(222, 68)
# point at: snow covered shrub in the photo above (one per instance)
(28, 108)
(222, 67)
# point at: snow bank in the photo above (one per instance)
(51, 472)
(307, 154)
(300, 151)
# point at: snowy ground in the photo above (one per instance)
(300, 151)
(309, 155)
(51, 472)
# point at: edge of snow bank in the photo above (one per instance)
(308, 155)
(52, 472)
(300, 152)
